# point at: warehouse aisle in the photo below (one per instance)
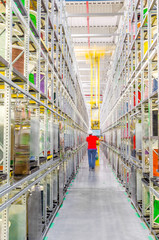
(96, 207)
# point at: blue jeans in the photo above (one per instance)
(92, 157)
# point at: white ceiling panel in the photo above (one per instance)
(76, 21)
(105, 25)
(97, 21)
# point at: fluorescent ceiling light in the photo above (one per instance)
(86, 81)
(84, 69)
(84, 60)
(88, 75)
(84, 49)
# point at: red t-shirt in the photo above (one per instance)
(92, 142)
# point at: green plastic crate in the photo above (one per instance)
(23, 2)
(144, 13)
(31, 78)
(33, 18)
(147, 202)
(156, 210)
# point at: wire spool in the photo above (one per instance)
(19, 64)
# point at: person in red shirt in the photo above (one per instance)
(92, 150)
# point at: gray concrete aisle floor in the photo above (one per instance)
(96, 207)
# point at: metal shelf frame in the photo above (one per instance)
(47, 50)
(130, 102)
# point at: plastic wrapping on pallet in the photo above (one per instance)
(139, 185)
(61, 182)
(49, 136)
(133, 138)
(42, 140)
(34, 214)
(155, 122)
(147, 199)
(61, 131)
(133, 184)
(56, 137)
(17, 222)
(34, 137)
(55, 187)
(138, 136)
(155, 85)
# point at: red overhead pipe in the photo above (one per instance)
(87, 5)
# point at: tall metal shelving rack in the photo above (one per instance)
(40, 94)
(130, 110)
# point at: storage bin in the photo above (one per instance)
(145, 47)
(19, 64)
(156, 211)
(34, 205)
(155, 123)
(33, 5)
(139, 98)
(155, 163)
(155, 85)
(42, 82)
(33, 17)
(17, 220)
(21, 164)
(31, 78)
(144, 15)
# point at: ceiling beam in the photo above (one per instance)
(95, 1)
(93, 29)
(96, 14)
(94, 35)
(99, 43)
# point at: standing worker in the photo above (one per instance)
(92, 150)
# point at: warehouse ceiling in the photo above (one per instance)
(94, 25)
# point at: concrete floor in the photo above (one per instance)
(97, 208)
